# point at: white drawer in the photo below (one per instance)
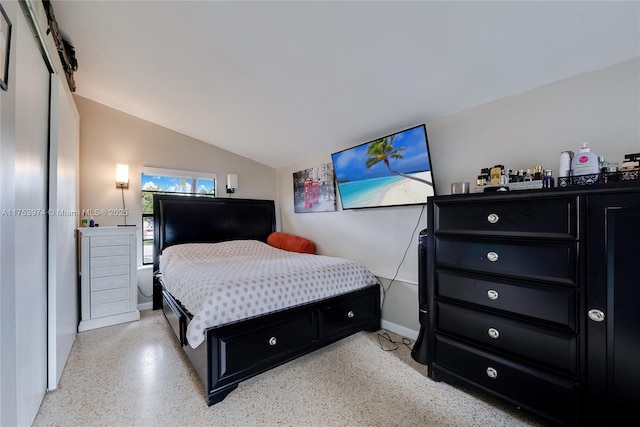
(110, 309)
(109, 241)
(107, 261)
(110, 250)
(110, 282)
(110, 295)
(115, 270)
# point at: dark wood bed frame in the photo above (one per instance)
(240, 350)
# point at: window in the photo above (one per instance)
(168, 181)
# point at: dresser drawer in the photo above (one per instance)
(100, 251)
(533, 389)
(110, 309)
(109, 241)
(548, 218)
(344, 316)
(540, 345)
(554, 262)
(246, 350)
(115, 270)
(554, 304)
(107, 261)
(111, 295)
(110, 282)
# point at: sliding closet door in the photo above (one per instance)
(63, 199)
(31, 85)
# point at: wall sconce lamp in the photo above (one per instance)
(232, 182)
(122, 176)
(122, 182)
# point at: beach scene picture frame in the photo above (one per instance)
(394, 170)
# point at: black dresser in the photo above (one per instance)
(534, 297)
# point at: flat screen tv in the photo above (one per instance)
(394, 170)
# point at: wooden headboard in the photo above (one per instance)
(198, 219)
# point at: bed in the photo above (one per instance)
(228, 343)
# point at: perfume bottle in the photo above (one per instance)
(603, 165)
(547, 180)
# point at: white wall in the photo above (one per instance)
(532, 128)
(521, 131)
(109, 136)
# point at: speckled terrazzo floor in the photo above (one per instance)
(135, 375)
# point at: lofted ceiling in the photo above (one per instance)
(282, 82)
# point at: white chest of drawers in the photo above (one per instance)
(108, 282)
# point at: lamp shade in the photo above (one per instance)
(232, 181)
(122, 174)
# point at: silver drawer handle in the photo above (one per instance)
(596, 315)
(493, 218)
(273, 341)
(492, 294)
(351, 314)
(493, 333)
(492, 256)
(492, 373)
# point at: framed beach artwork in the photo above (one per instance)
(394, 170)
(5, 43)
(314, 189)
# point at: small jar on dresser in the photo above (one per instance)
(107, 272)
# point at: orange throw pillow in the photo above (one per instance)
(290, 242)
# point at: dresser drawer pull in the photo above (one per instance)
(273, 341)
(492, 373)
(351, 314)
(493, 333)
(596, 315)
(492, 256)
(492, 294)
(493, 218)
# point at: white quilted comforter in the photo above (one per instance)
(229, 281)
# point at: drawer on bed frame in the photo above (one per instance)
(342, 318)
(176, 317)
(256, 347)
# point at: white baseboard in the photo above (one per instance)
(399, 329)
(100, 322)
(145, 306)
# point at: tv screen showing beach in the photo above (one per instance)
(391, 171)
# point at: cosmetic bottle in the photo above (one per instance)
(585, 162)
(565, 164)
(603, 165)
(547, 180)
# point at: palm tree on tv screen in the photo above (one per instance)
(381, 150)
